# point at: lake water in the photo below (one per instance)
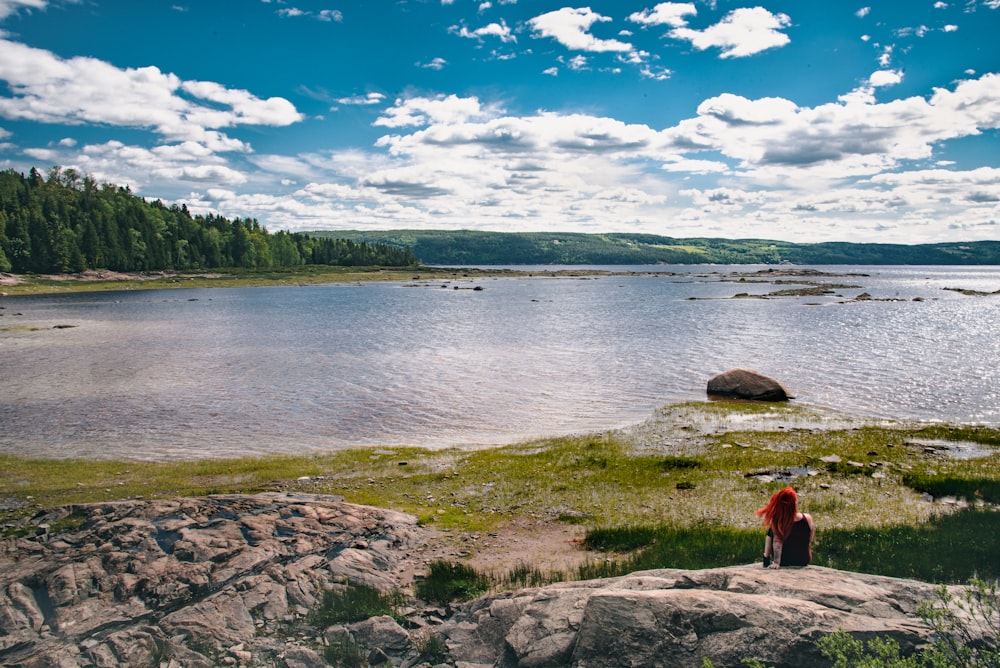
(229, 372)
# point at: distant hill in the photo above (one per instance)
(466, 247)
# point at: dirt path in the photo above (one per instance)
(544, 546)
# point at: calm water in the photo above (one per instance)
(228, 372)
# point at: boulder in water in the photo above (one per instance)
(746, 384)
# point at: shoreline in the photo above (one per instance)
(102, 280)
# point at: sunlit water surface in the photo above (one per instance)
(232, 372)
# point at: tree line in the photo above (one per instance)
(474, 247)
(66, 222)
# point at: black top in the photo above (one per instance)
(795, 550)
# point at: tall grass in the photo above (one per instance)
(354, 603)
(948, 549)
(671, 547)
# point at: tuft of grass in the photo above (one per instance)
(433, 650)
(679, 463)
(345, 653)
(354, 603)
(448, 581)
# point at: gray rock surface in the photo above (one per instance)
(231, 580)
(220, 580)
(747, 384)
(675, 618)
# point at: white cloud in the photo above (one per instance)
(774, 138)
(9, 7)
(863, 12)
(370, 98)
(666, 13)
(418, 111)
(885, 78)
(570, 27)
(741, 167)
(47, 89)
(742, 32)
(330, 15)
(435, 64)
(498, 30)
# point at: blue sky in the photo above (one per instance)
(782, 119)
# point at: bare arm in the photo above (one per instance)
(776, 546)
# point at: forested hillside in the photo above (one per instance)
(65, 222)
(466, 247)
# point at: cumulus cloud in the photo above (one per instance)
(666, 13)
(418, 111)
(499, 30)
(570, 27)
(48, 89)
(854, 136)
(449, 159)
(885, 78)
(743, 32)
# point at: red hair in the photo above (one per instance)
(780, 511)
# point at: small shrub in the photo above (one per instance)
(966, 635)
(967, 628)
(433, 650)
(846, 651)
(448, 581)
(354, 603)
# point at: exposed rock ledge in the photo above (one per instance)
(230, 580)
(675, 618)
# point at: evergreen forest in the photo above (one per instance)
(66, 222)
(474, 247)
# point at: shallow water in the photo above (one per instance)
(231, 372)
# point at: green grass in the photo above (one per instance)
(448, 581)
(949, 548)
(355, 602)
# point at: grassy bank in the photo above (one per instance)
(680, 490)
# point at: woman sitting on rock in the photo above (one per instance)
(789, 534)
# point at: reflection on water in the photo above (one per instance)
(229, 372)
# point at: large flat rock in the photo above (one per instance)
(676, 618)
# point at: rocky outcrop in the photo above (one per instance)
(220, 580)
(233, 580)
(746, 384)
(675, 618)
